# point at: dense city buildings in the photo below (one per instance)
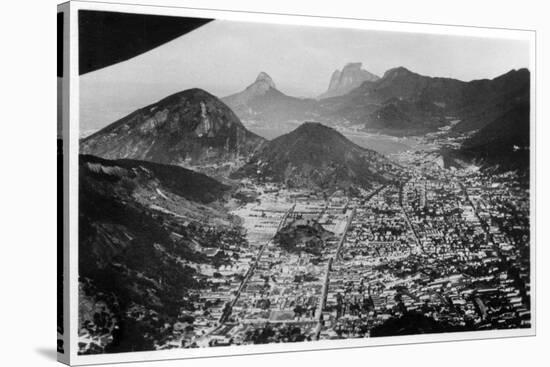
(439, 250)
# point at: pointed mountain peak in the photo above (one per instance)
(264, 78)
(262, 85)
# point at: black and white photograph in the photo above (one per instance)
(245, 182)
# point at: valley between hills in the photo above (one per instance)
(391, 205)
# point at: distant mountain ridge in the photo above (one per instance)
(400, 103)
(191, 126)
(403, 102)
(351, 77)
(317, 156)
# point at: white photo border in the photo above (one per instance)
(72, 133)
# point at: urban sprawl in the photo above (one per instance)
(450, 245)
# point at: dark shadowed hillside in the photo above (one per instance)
(180, 181)
(141, 230)
(485, 100)
(503, 143)
(314, 155)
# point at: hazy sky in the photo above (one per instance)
(223, 57)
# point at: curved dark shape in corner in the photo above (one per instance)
(107, 38)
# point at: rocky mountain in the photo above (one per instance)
(403, 102)
(351, 77)
(189, 127)
(262, 102)
(142, 230)
(316, 156)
